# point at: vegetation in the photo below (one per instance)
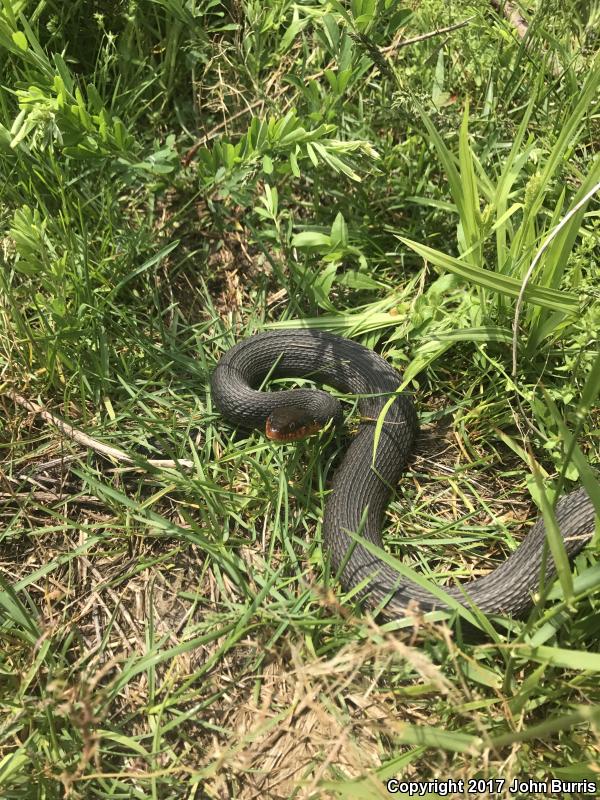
(177, 174)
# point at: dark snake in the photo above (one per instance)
(362, 483)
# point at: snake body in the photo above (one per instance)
(364, 480)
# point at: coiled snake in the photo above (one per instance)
(363, 482)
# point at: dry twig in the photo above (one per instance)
(76, 435)
(424, 36)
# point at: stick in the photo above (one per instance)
(76, 435)
(424, 36)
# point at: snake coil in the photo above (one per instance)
(362, 483)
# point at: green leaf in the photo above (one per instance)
(448, 162)
(355, 279)
(339, 231)
(293, 30)
(438, 738)
(485, 333)
(267, 164)
(20, 40)
(311, 239)
(497, 282)
(18, 761)
(297, 135)
(311, 154)
(294, 165)
(332, 79)
(332, 30)
(343, 77)
(559, 657)
(322, 284)
(438, 95)
(355, 324)
(471, 216)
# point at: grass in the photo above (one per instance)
(178, 175)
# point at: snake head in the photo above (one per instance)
(290, 423)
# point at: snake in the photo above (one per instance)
(372, 466)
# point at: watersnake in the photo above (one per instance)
(364, 480)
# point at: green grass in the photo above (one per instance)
(175, 176)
